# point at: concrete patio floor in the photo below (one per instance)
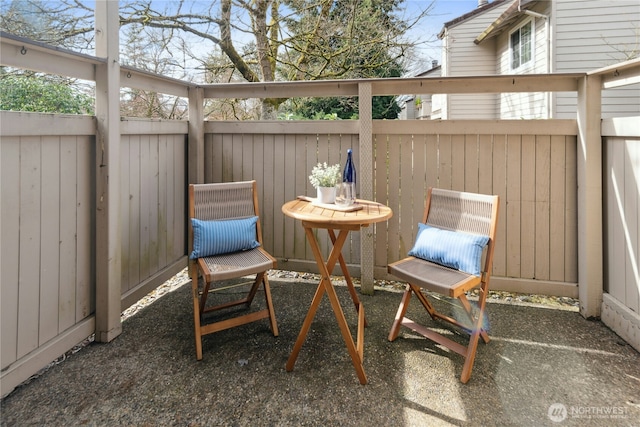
(544, 367)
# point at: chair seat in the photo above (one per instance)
(229, 266)
(433, 277)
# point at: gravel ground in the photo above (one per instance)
(182, 277)
(541, 360)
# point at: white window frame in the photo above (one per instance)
(528, 64)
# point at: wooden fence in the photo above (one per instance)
(533, 172)
(48, 223)
(621, 298)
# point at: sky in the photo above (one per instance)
(443, 11)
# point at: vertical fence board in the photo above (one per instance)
(632, 213)
(9, 255)
(381, 194)
(615, 221)
(296, 146)
(270, 154)
(571, 211)
(457, 171)
(513, 223)
(405, 188)
(282, 165)
(484, 164)
(471, 164)
(263, 176)
(177, 219)
(432, 160)
(418, 189)
(125, 202)
(152, 178)
(30, 211)
(84, 253)
(69, 254)
(445, 149)
(541, 211)
(163, 207)
(49, 239)
(135, 212)
(146, 187)
(498, 178)
(528, 210)
(557, 202)
(397, 239)
(294, 155)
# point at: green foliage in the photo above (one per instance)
(339, 108)
(39, 94)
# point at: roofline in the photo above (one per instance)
(474, 12)
(516, 9)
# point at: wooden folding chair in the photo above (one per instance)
(226, 243)
(455, 218)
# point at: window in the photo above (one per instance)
(522, 46)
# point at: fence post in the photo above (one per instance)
(195, 156)
(365, 177)
(108, 240)
(589, 169)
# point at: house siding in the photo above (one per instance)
(525, 105)
(593, 34)
(578, 36)
(462, 57)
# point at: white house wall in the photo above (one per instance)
(591, 34)
(525, 105)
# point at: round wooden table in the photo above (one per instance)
(333, 218)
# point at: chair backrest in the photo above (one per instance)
(467, 212)
(228, 200)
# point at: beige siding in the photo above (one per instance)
(462, 57)
(590, 34)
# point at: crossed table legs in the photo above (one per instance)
(356, 350)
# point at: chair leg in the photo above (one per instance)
(467, 306)
(196, 313)
(424, 301)
(470, 357)
(204, 295)
(476, 331)
(402, 310)
(272, 313)
(254, 288)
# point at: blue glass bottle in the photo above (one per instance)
(349, 173)
(349, 176)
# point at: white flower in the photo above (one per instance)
(325, 176)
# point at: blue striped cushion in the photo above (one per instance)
(222, 237)
(455, 249)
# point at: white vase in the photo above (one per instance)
(326, 194)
